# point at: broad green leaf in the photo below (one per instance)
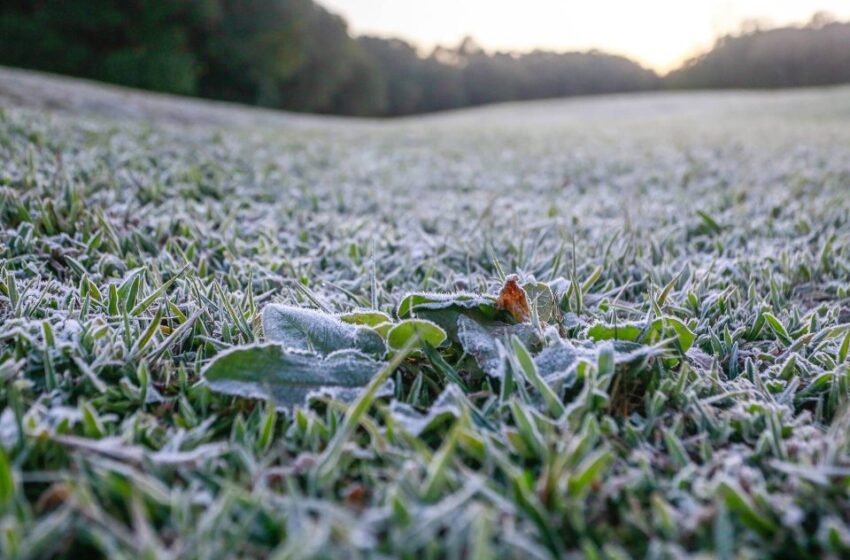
(630, 332)
(307, 329)
(383, 329)
(289, 377)
(444, 309)
(415, 302)
(367, 317)
(427, 331)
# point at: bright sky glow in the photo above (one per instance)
(657, 33)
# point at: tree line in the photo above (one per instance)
(295, 55)
(815, 54)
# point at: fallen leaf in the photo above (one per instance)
(514, 300)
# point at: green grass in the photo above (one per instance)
(681, 386)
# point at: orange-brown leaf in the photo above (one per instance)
(514, 300)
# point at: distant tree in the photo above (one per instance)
(401, 73)
(138, 43)
(442, 82)
(812, 55)
(290, 54)
(247, 48)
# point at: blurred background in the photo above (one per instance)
(400, 57)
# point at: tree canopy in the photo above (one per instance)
(811, 55)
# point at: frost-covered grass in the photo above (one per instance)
(683, 391)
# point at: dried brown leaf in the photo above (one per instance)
(514, 300)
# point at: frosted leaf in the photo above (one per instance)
(368, 317)
(557, 362)
(630, 332)
(428, 332)
(444, 308)
(306, 329)
(289, 377)
(541, 296)
(417, 301)
(481, 342)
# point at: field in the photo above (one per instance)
(671, 380)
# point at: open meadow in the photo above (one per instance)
(228, 332)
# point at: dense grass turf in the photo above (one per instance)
(680, 384)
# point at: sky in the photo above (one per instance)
(659, 34)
